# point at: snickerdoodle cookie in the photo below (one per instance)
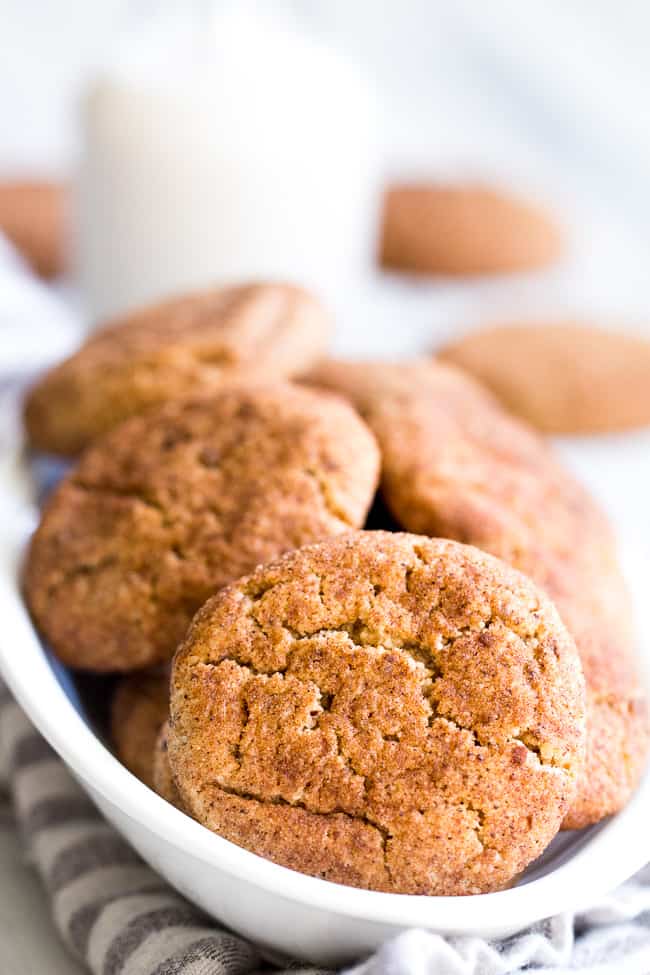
(139, 708)
(179, 501)
(139, 729)
(464, 230)
(186, 345)
(381, 710)
(456, 465)
(162, 778)
(563, 377)
(32, 215)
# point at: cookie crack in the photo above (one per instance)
(214, 357)
(347, 760)
(431, 674)
(113, 491)
(355, 628)
(436, 716)
(237, 752)
(544, 756)
(330, 505)
(277, 800)
(423, 656)
(83, 569)
(480, 821)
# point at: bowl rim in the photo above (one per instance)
(612, 851)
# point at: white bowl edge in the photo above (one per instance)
(615, 850)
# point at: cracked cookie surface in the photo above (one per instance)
(455, 464)
(176, 503)
(181, 347)
(381, 710)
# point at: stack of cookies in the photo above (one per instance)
(415, 710)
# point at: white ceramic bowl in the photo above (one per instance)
(283, 911)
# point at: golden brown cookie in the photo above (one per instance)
(189, 345)
(32, 215)
(139, 729)
(562, 378)
(456, 465)
(381, 710)
(617, 755)
(163, 780)
(465, 229)
(175, 503)
(139, 708)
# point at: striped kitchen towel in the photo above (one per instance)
(120, 918)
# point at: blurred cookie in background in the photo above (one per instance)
(468, 229)
(32, 216)
(563, 377)
(178, 347)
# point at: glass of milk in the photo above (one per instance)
(222, 144)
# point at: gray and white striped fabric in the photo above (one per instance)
(113, 912)
(120, 918)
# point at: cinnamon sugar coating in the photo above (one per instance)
(176, 503)
(381, 710)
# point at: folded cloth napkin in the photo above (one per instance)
(120, 918)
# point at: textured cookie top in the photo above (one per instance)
(465, 229)
(381, 710)
(564, 377)
(180, 347)
(175, 503)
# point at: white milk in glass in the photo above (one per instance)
(224, 147)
